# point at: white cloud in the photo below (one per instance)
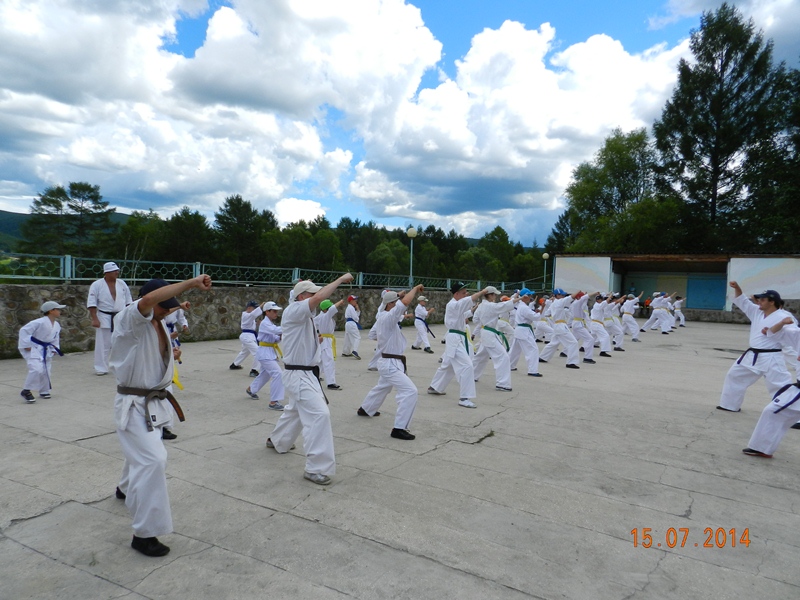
(292, 210)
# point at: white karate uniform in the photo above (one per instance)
(599, 328)
(352, 336)
(493, 345)
(524, 340)
(457, 359)
(107, 307)
(326, 324)
(751, 366)
(612, 326)
(137, 361)
(580, 330)
(561, 332)
(421, 324)
(306, 409)
(267, 356)
(249, 337)
(37, 356)
(392, 375)
(629, 324)
(678, 307)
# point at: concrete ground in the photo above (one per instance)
(534, 494)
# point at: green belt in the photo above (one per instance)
(525, 325)
(500, 333)
(464, 333)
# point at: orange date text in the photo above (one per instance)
(680, 538)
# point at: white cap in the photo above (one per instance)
(271, 306)
(492, 290)
(390, 297)
(305, 286)
(50, 305)
(421, 299)
(110, 266)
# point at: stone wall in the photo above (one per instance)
(214, 315)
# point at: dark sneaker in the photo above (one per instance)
(541, 360)
(563, 355)
(317, 478)
(728, 409)
(149, 546)
(355, 355)
(28, 396)
(751, 452)
(362, 413)
(618, 349)
(234, 367)
(416, 348)
(573, 367)
(501, 388)
(605, 354)
(166, 434)
(271, 445)
(251, 394)
(253, 373)
(642, 331)
(428, 350)
(534, 374)
(795, 426)
(434, 392)
(590, 361)
(402, 434)
(334, 386)
(46, 396)
(120, 494)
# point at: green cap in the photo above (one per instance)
(325, 304)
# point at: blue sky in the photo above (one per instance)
(466, 115)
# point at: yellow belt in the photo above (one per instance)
(596, 321)
(608, 319)
(577, 319)
(332, 338)
(272, 345)
(631, 314)
(560, 321)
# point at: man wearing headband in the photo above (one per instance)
(142, 359)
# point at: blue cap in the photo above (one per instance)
(525, 292)
(252, 303)
(559, 292)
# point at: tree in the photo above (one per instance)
(74, 221)
(725, 108)
(389, 257)
(138, 238)
(188, 238)
(239, 227)
(498, 246)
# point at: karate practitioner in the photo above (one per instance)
(142, 360)
(494, 343)
(249, 337)
(421, 314)
(561, 333)
(582, 333)
(107, 297)
(176, 324)
(612, 323)
(678, 308)
(457, 359)
(307, 407)
(325, 322)
(392, 366)
(780, 415)
(269, 334)
(524, 340)
(598, 326)
(763, 358)
(352, 335)
(629, 324)
(37, 342)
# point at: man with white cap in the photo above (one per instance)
(764, 357)
(38, 341)
(307, 408)
(561, 333)
(457, 359)
(352, 325)
(392, 366)
(142, 359)
(107, 297)
(269, 334)
(421, 314)
(494, 343)
(524, 339)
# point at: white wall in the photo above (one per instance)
(754, 275)
(587, 273)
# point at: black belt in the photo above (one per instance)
(756, 352)
(149, 395)
(113, 314)
(399, 357)
(314, 370)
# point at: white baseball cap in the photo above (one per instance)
(50, 305)
(110, 266)
(271, 306)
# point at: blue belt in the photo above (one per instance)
(349, 320)
(426, 325)
(253, 331)
(45, 346)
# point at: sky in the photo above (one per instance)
(464, 114)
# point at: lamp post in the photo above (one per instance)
(411, 233)
(545, 256)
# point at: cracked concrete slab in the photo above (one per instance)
(534, 494)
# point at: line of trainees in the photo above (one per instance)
(481, 326)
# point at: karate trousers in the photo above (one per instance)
(600, 333)
(102, 348)
(744, 373)
(456, 362)
(492, 346)
(422, 334)
(38, 379)
(562, 336)
(524, 342)
(776, 419)
(629, 325)
(584, 337)
(392, 376)
(352, 338)
(270, 371)
(249, 346)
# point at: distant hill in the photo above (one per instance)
(11, 227)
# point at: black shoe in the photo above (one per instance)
(681, 325)
(253, 373)
(26, 394)
(149, 546)
(120, 494)
(795, 426)
(665, 333)
(563, 355)
(166, 434)
(541, 360)
(402, 434)
(428, 350)
(728, 409)
(234, 367)
(573, 367)
(546, 342)
(581, 349)
(619, 349)
(751, 452)
(334, 386)
(355, 354)
(362, 413)
(605, 354)
(636, 340)
(642, 331)
(534, 375)
(416, 348)
(590, 361)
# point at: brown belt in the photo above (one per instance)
(314, 370)
(399, 357)
(149, 395)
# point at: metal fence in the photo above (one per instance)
(41, 268)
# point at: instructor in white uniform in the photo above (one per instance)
(107, 297)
